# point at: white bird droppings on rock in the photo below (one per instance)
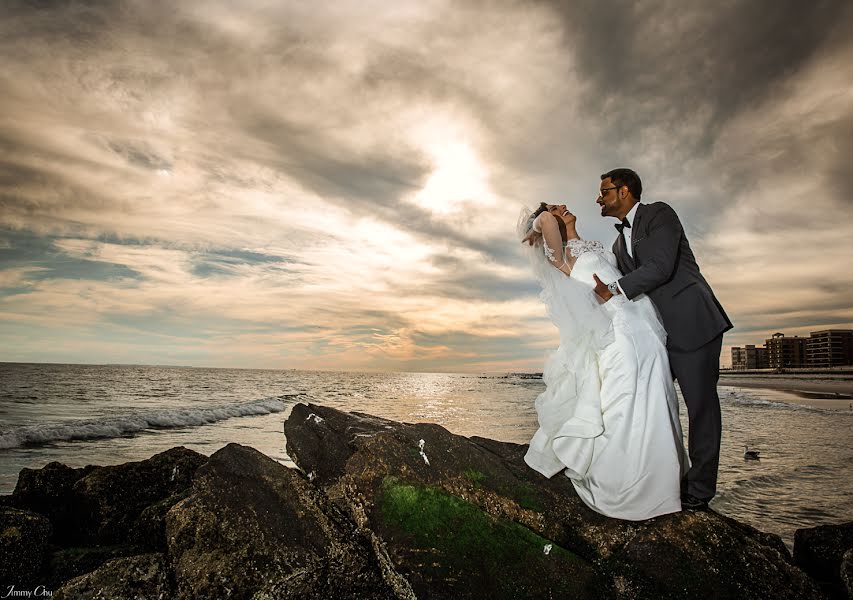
(547, 549)
(317, 418)
(421, 444)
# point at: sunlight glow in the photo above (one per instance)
(459, 179)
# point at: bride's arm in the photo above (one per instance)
(553, 241)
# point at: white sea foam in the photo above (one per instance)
(133, 423)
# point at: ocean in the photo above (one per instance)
(110, 414)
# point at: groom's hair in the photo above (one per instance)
(627, 177)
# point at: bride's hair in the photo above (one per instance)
(543, 207)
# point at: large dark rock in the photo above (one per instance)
(252, 528)
(49, 491)
(98, 505)
(465, 517)
(100, 513)
(819, 551)
(144, 576)
(112, 499)
(67, 563)
(847, 572)
(24, 537)
(149, 529)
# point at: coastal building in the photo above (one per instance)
(749, 357)
(785, 352)
(822, 349)
(830, 348)
(738, 358)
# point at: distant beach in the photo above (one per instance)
(824, 389)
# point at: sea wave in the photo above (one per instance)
(123, 425)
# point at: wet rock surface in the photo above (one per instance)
(820, 552)
(112, 499)
(254, 528)
(96, 515)
(144, 576)
(23, 546)
(847, 572)
(49, 491)
(378, 509)
(417, 486)
(65, 564)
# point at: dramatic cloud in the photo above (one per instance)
(336, 186)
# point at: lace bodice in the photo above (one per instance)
(574, 248)
(591, 258)
(578, 247)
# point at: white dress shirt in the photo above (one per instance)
(627, 234)
(628, 231)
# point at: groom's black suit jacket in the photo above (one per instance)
(664, 268)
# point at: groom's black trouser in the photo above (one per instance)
(697, 373)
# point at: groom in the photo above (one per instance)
(656, 260)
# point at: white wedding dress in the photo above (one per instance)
(608, 418)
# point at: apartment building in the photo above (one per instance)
(830, 348)
(749, 357)
(785, 352)
(822, 349)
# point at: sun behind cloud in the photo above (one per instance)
(337, 186)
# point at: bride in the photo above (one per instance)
(608, 417)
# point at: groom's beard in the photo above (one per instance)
(610, 209)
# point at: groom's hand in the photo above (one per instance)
(601, 289)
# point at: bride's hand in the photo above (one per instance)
(533, 237)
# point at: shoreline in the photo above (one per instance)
(831, 393)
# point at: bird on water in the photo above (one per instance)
(750, 454)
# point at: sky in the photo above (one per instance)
(289, 184)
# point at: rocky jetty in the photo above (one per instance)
(378, 509)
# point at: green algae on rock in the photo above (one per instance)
(452, 539)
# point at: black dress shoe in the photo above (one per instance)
(691, 502)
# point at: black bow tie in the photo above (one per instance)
(620, 226)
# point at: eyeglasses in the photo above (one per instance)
(603, 191)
